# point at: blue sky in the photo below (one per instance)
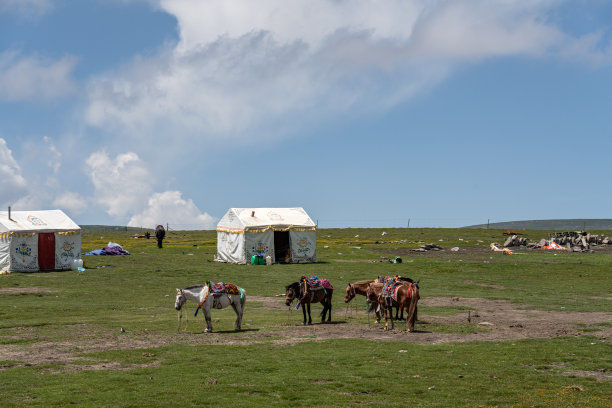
(365, 113)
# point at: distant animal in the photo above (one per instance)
(306, 294)
(208, 299)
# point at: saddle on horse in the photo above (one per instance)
(218, 289)
(221, 288)
(313, 284)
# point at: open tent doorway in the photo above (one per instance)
(282, 247)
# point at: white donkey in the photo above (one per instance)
(201, 294)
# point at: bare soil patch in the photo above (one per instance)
(24, 291)
(492, 320)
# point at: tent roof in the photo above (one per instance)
(264, 217)
(40, 221)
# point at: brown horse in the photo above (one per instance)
(306, 295)
(407, 296)
(361, 288)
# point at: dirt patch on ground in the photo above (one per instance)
(24, 291)
(490, 320)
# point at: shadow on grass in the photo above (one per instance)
(233, 331)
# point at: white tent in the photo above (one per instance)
(38, 240)
(284, 234)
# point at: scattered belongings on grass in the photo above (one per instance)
(573, 241)
(428, 247)
(396, 260)
(111, 249)
(506, 251)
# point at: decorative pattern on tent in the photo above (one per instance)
(67, 249)
(24, 255)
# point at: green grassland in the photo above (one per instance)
(78, 316)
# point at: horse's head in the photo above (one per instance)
(373, 292)
(180, 299)
(350, 293)
(291, 292)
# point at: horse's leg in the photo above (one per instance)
(304, 312)
(206, 309)
(377, 310)
(391, 314)
(238, 309)
(329, 309)
(386, 314)
(309, 316)
(324, 312)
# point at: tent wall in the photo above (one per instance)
(5, 250)
(259, 243)
(67, 249)
(230, 247)
(24, 253)
(303, 246)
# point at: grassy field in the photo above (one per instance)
(61, 341)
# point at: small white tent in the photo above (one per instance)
(31, 241)
(285, 234)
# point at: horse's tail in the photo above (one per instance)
(242, 296)
(412, 310)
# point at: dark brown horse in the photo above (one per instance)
(306, 295)
(406, 296)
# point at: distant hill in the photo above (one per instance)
(560, 225)
(108, 228)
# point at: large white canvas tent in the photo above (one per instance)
(32, 241)
(285, 234)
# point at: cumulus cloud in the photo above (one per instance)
(29, 9)
(12, 183)
(170, 208)
(239, 67)
(73, 202)
(122, 184)
(33, 78)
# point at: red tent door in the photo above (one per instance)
(46, 251)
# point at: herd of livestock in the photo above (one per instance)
(383, 294)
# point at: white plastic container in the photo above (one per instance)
(268, 260)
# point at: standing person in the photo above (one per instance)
(160, 233)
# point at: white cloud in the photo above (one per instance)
(170, 208)
(13, 185)
(33, 78)
(122, 185)
(241, 69)
(72, 202)
(30, 9)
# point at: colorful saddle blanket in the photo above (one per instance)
(391, 288)
(315, 283)
(385, 279)
(221, 288)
